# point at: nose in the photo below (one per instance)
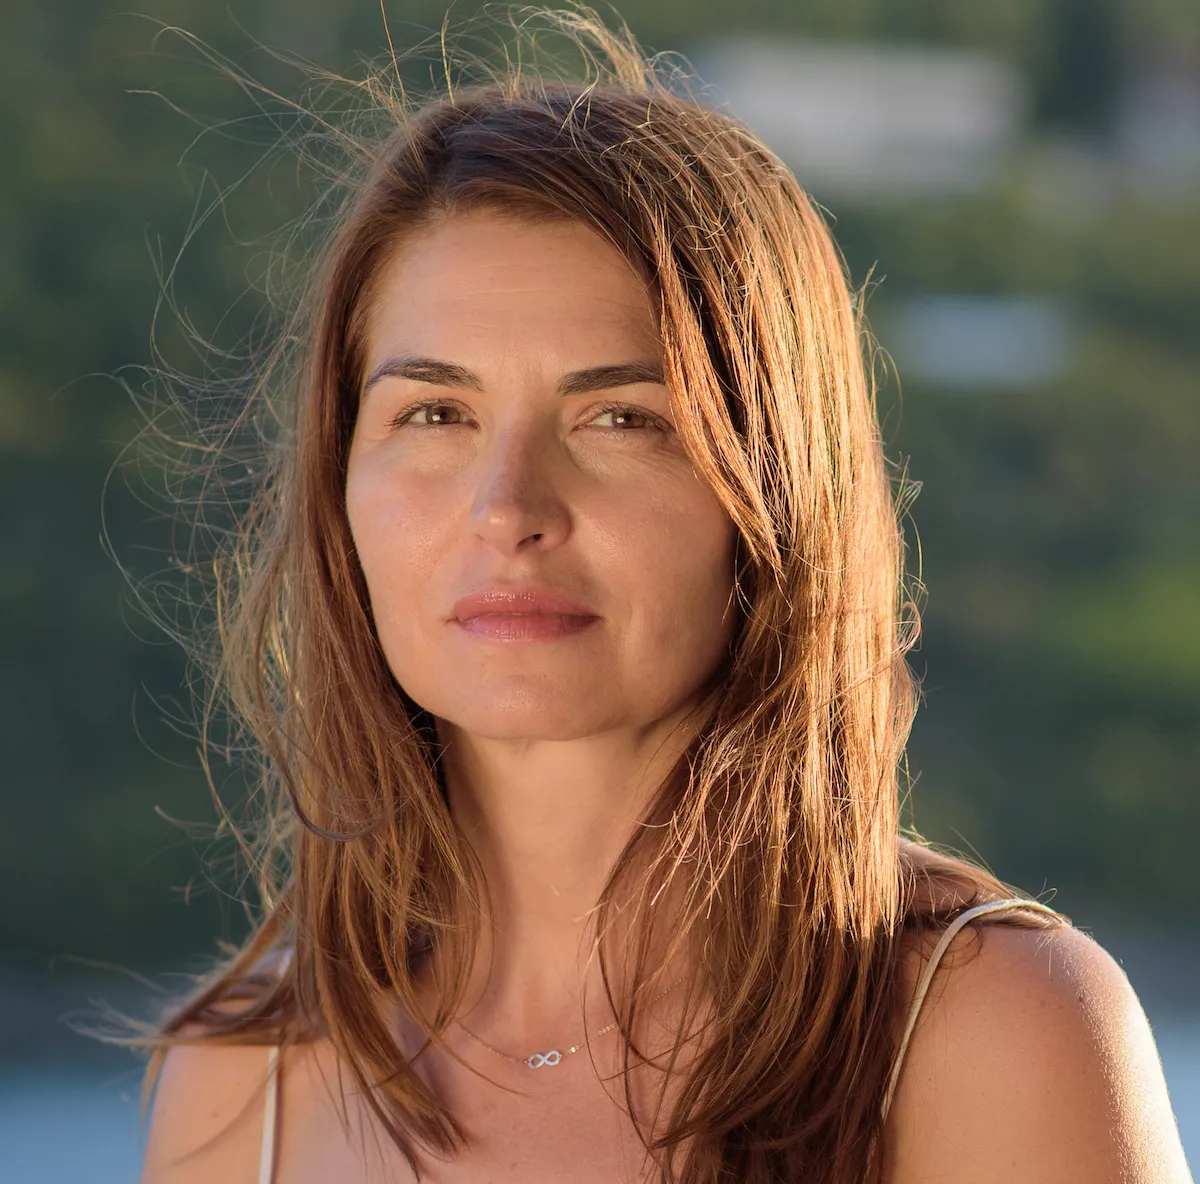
(517, 502)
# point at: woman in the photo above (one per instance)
(570, 624)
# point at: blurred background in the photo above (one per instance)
(1019, 182)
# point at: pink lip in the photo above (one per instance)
(521, 614)
(524, 626)
(518, 602)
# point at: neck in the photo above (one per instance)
(547, 821)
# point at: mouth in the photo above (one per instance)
(517, 626)
(529, 600)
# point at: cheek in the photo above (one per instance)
(675, 553)
(395, 535)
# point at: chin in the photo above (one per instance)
(520, 709)
(529, 730)
(559, 717)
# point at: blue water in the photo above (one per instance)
(1179, 1047)
(62, 1128)
(65, 1128)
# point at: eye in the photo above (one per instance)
(626, 417)
(438, 414)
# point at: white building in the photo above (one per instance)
(871, 122)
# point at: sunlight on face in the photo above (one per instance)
(488, 454)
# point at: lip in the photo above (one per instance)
(529, 600)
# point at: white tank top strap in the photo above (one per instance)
(951, 931)
(266, 1160)
(270, 1129)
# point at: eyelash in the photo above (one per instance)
(653, 421)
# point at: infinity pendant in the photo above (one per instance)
(538, 1059)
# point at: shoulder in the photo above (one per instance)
(206, 1121)
(207, 1116)
(1031, 1062)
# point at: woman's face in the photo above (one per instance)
(487, 457)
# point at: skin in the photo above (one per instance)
(1032, 1062)
(552, 746)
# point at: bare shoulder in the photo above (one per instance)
(1032, 1061)
(207, 1115)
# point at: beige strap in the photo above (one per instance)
(951, 931)
(266, 1161)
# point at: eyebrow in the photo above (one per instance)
(577, 382)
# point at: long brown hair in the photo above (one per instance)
(779, 846)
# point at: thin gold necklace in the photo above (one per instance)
(539, 1060)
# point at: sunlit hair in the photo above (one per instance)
(775, 843)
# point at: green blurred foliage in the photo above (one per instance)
(1057, 526)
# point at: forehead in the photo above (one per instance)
(490, 276)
